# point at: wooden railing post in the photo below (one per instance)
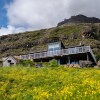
(87, 57)
(69, 60)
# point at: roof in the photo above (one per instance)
(74, 46)
(55, 42)
(4, 59)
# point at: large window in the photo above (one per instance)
(53, 47)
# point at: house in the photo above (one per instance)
(9, 61)
(63, 55)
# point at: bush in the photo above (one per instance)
(26, 63)
(98, 57)
(53, 63)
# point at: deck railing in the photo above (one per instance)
(93, 55)
(24, 57)
(62, 52)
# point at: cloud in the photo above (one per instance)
(36, 13)
(26, 15)
(10, 30)
(86, 7)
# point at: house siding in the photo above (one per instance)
(7, 63)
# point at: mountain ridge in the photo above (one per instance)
(79, 19)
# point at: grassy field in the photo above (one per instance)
(18, 83)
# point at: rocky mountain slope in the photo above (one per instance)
(80, 19)
(70, 34)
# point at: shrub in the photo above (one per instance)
(53, 63)
(98, 57)
(26, 63)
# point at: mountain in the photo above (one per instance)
(80, 19)
(69, 34)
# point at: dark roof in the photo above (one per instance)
(60, 42)
(74, 46)
(54, 42)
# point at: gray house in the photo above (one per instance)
(9, 61)
(69, 55)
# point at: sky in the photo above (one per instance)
(26, 15)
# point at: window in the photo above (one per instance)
(54, 47)
(9, 61)
(50, 49)
(74, 61)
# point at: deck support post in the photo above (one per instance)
(41, 60)
(59, 61)
(87, 57)
(69, 60)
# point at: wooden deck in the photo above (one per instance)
(57, 53)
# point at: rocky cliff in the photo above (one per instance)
(80, 19)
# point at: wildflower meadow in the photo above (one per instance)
(47, 83)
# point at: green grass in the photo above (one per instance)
(59, 83)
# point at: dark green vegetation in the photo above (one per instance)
(70, 35)
(25, 63)
(49, 83)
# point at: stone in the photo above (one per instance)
(98, 64)
(96, 67)
(85, 63)
(76, 66)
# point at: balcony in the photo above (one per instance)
(62, 52)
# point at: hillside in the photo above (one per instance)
(59, 83)
(70, 34)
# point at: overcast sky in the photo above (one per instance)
(24, 15)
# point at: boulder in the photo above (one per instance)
(85, 63)
(76, 66)
(96, 67)
(98, 64)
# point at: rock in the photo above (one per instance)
(96, 67)
(80, 19)
(71, 65)
(98, 64)
(76, 66)
(85, 63)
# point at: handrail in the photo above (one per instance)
(93, 55)
(73, 50)
(24, 57)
